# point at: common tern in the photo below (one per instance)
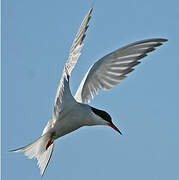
(72, 112)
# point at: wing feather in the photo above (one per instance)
(112, 68)
(63, 94)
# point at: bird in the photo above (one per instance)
(72, 112)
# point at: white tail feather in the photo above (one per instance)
(37, 150)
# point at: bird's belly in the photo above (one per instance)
(69, 123)
(72, 118)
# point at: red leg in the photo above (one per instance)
(50, 141)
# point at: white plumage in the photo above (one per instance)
(70, 113)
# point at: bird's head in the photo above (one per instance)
(106, 118)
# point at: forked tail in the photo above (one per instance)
(41, 149)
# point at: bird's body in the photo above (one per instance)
(72, 118)
(71, 113)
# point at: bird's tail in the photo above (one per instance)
(41, 149)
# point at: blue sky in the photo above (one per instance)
(36, 39)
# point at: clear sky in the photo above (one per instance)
(36, 39)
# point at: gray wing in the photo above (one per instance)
(63, 94)
(112, 68)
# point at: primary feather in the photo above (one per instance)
(112, 68)
(74, 54)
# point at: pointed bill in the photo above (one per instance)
(114, 127)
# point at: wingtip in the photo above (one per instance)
(11, 151)
(163, 40)
(90, 10)
(91, 7)
(15, 150)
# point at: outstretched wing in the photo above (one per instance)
(112, 68)
(63, 94)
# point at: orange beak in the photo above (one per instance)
(114, 127)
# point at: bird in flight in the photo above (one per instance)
(72, 112)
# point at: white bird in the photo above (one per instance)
(71, 113)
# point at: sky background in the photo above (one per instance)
(36, 38)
